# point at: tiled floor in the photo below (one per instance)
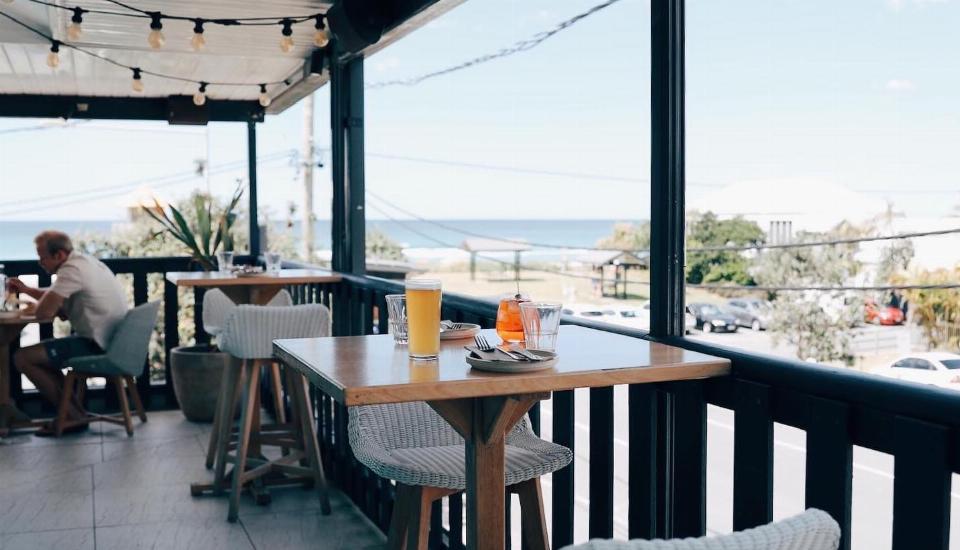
(103, 490)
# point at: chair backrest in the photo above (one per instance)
(811, 530)
(249, 331)
(217, 306)
(130, 341)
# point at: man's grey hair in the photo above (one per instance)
(54, 241)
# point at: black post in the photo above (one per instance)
(252, 193)
(346, 120)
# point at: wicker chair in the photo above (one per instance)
(123, 359)
(248, 334)
(811, 530)
(411, 444)
(217, 306)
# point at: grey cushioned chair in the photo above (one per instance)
(811, 530)
(217, 306)
(122, 360)
(413, 445)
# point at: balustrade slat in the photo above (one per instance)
(642, 473)
(369, 302)
(200, 335)
(563, 489)
(829, 483)
(689, 460)
(171, 334)
(141, 296)
(456, 521)
(601, 462)
(752, 456)
(921, 486)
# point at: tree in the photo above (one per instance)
(818, 323)
(706, 230)
(627, 236)
(937, 311)
(380, 246)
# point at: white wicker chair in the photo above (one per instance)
(248, 334)
(217, 306)
(811, 530)
(411, 444)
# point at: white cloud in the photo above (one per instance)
(897, 5)
(901, 85)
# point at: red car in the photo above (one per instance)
(885, 315)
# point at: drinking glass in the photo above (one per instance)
(273, 261)
(225, 261)
(423, 318)
(509, 325)
(397, 314)
(541, 322)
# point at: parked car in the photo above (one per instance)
(884, 315)
(937, 368)
(689, 321)
(710, 318)
(750, 312)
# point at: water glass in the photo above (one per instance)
(423, 318)
(541, 322)
(273, 261)
(225, 261)
(397, 314)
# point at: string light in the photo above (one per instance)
(53, 58)
(137, 81)
(73, 29)
(156, 38)
(200, 97)
(286, 42)
(198, 41)
(322, 36)
(263, 98)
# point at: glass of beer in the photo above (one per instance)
(423, 318)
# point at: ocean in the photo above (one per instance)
(421, 239)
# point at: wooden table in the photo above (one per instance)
(10, 329)
(483, 407)
(257, 289)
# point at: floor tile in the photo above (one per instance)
(159, 425)
(344, 529)
(63, 501)
(74, 539)
(207, 534)
(142, 472)
(152, 448)
(124, 506)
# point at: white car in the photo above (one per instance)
(937, 368)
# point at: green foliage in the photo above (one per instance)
(627, 236)
(206, 231)
(706, 230)
(380, 246)
(818, 323)
(894, 259)
(937, 311)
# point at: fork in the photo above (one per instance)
(484, 345)
(450, 325)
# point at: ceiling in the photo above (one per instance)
(245, 55)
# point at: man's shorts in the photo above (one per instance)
(60, 350)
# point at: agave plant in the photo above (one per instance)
(209, 231)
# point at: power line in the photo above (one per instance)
(715, 286)
(518, 47)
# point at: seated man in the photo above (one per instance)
(87, 294)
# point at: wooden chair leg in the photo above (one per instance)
(228, 387)
(124, 405)
(61, 420)
(418, 526)
(279, 414)
(308, 432)
(397, 535)
(233, 382)
(533, 524)
(252, 372)
(135, 397)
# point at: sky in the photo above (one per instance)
(860, 93)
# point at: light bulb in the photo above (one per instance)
(321, 38)
(198, 41)
(53, 60)
(137, 82)
(286, 44)
(263, 98)
(199, 98)
(74, 31)
(156, 39)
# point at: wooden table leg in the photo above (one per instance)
(8, 334)
(484, 423)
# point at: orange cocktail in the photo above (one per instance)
(423, 318)
(509, 325)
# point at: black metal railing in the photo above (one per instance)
(667, 465)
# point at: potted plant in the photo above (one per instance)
(197, 370)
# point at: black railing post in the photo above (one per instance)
(171, 332)
(563, 487)
(829, 480)
(753, 456)
(921, 485)
(601, 462)
(346, 121)
(252, 189)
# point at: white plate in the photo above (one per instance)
(469, 331)
(549, 360)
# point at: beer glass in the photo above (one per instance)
(423, 318)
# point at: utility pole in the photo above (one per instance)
(308, 162)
